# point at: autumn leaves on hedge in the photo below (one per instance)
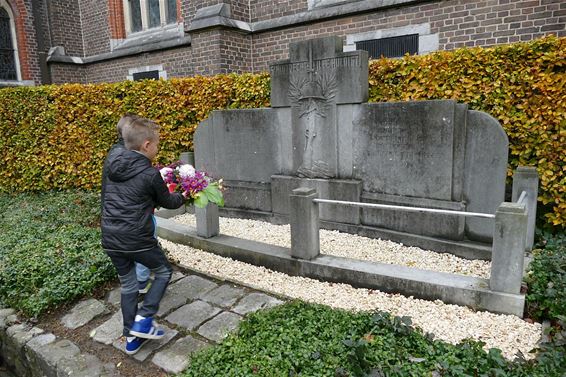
(56, 137)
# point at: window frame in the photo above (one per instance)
(144, 10)
(6, 6)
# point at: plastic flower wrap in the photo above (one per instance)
(197, 188)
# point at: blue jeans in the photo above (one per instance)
(142, 272)
(157, 263)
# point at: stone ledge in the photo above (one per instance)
(28, 351)
(431, 285)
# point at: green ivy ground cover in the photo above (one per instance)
(300, 339)
(50, 249)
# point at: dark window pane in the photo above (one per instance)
(135, 15)
(171, 11)
(393, 47)
(149, 75)
(154, 18)
(7, 58)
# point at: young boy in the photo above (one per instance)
(133, 187)
(142, 272)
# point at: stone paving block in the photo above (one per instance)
(109, 330)
(82, 365)
(220, 326)
(114, 298)
(177, 275)
(48, 355)
(176, 357)
(254, 302)
(150, 346)
(83, 313)
(224, 296)
(192, 315)
(186, 289)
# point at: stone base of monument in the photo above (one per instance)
(453, 289)
(426, 224)
(334, 189)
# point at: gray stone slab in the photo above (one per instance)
(151, 345)
(485, 172)
(83, 313)
(177, 356)
(333, 189)
(254, 302)
(109, 330)
(224, 296)
(82, 365)
(114, 298)
(192, 315)
(426, 224)
(186, 289)
(48, 356)
(13, 342)
(251, 195)
(177, 275)
(220, 326)
(406, 148)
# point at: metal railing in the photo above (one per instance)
(406, 208)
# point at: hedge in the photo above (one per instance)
(56, 137)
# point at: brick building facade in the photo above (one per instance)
(43, 41)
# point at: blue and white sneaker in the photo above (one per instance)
(147, 329)
(135, 345)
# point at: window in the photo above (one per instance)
(149, 72)
(395, 42)
(8, 63)
(392, 47)
(149, 14)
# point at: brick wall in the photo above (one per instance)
(68, 73)
(176, 62)
(458, 23)
(96, 26)
(267, 9)
(66, 28)
(240, 10)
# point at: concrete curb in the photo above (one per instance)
(450, 288)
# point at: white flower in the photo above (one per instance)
(186, 171)
(164, 172)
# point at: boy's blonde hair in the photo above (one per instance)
(139, 131)
(124, 122)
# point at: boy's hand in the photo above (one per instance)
(171, 187)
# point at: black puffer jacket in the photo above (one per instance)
(132, 190)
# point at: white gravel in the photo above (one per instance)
(451, 323)
(352, 246)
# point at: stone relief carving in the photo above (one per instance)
(313, 97)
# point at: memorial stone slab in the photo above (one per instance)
(192, 315)
(177, 357)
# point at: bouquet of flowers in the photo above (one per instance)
(197, 188)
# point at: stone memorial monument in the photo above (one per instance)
(321, 133)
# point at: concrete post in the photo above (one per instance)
(188, 158)
(208, 223)
(525, 178)
(508, 253)
(303, 216)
